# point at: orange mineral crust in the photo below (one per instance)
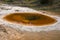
(30, 19)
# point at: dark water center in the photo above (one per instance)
(30, 18)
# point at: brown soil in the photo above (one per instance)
(8, 33)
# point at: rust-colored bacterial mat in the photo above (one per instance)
(30, 19)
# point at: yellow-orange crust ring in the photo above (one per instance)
(31, 28)
(30, 19)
